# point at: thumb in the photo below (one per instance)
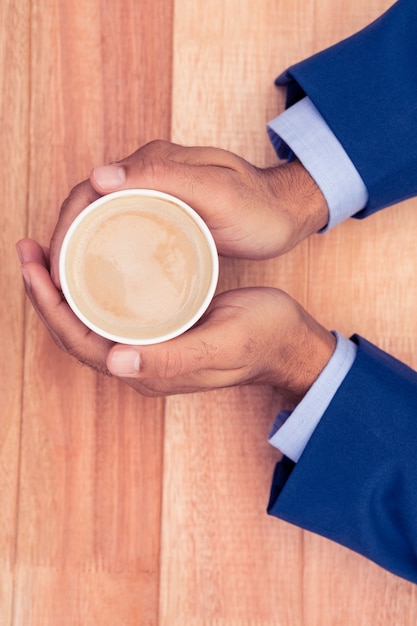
(160, 175)
(151, 166)
(171, 169)
(177, 358)
(108, 178)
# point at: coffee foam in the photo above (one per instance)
(138, 267)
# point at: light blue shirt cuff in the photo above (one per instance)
(291, 431)
(302, 132)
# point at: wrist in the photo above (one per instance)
(303, 200)
(314, 349)
(301, 350)
(310, 206)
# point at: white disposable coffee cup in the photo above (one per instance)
(138, 266)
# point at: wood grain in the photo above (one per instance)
(120, 510)
(91, 455)
(227, 103)
(14, 156)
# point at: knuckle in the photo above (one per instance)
(155, 148)
(151, 169)
(153, 158)
(158, 145)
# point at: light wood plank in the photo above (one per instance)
(233, 51)
(223, 560)
(14, 107)
(342, 587)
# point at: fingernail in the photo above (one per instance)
(109, 176)
(124, 362)
(19, 253)
(26, 277)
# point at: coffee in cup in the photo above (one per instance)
(138, 266)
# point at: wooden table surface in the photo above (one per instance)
(119, 510)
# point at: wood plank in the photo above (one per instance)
(89, 507)
(342, 587)
(233, 51)
(14, 107)
(224, 561)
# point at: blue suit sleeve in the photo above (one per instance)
(355, 483)
(365, 88)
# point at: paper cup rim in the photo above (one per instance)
(153, 193)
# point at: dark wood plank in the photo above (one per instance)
(14, 156)
(89, 514)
